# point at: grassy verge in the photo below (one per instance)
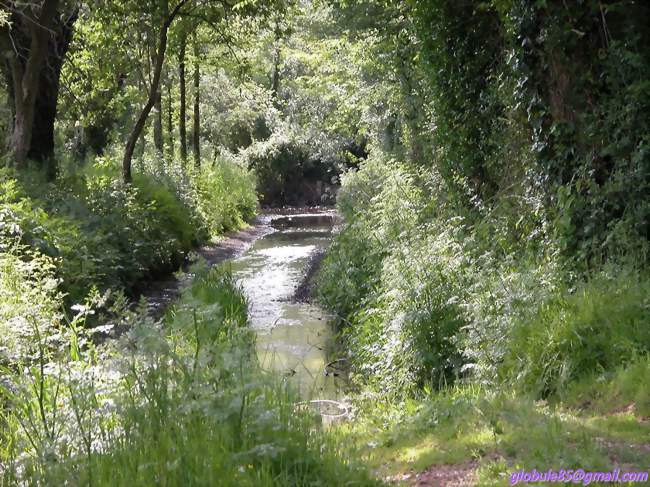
(477, 352)
(602, 423)
(179, 402)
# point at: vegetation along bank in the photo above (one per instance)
(489, 283)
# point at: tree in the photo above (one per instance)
(182, 116)
(34, 44)
(196, 130)
(167, 20)
(170, 118)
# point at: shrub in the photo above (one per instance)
(503, 291)
(279, 165)
(397, 278)
(100, 232)
(225, 197)
(427, 296)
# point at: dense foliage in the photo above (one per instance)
(491, 160)
(90, 234)
(102, 232)
(508, 240)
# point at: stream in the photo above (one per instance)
(293, 338)
(271, 260)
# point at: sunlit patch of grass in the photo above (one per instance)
(541, 439)
(493, 473)
(444, 447)
(622, 426)
(418, 453)
(414, 437)
(624, 389)
(503, 431)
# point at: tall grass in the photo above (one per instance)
(29, 304)
(577, 333)
(178, 402)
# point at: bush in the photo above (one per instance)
(426, 295)
(225, 197)
(279, 165)
(102, 233)
(396, 277)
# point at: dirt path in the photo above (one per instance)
(457, 475)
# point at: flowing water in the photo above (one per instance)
(294, 338)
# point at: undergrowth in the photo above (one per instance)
(89, 237)
(176, 402)
(428, 295)
(476, 346)
(100, 232)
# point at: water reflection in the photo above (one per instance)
(294, 338)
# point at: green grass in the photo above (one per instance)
(600, 423)
(598, 326)
(177, 403)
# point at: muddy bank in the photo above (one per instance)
(305, 290)
(159, 294)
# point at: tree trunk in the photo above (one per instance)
(32, 43)
(277, 59)
(158, 124)
(182, 115)
(22, 134)
(170, 120)
(42, 143)
(143, 146)
(153, 91)
(157, 106)
(196, 136)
